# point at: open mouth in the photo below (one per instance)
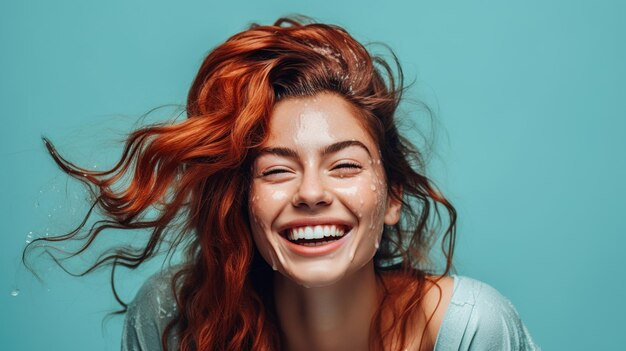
(315, 235)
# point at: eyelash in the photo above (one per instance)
(348, 165)
(273, 171)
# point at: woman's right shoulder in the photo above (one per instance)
(153, 307)
(156, 290)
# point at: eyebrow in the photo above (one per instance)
(330, 149)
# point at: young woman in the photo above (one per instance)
(306, 218)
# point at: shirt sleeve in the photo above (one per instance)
(148, 315)
(495, 324)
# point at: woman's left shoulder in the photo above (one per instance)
(479, 317)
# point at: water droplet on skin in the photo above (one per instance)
(15, 292)
(373, 187)
(376, 245)
(279, 195)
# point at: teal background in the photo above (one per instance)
(530, 142)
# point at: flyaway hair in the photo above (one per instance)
(196, 174)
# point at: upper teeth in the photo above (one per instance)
(315, 232)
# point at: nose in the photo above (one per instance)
(311, 192)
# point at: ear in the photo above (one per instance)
(394, 205)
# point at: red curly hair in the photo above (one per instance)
(197, 173)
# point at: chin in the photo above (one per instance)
(317, 281)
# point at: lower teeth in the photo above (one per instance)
(314, 242)
(317, 243)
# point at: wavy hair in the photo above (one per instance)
(197, 173)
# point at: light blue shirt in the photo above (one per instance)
(478, 318)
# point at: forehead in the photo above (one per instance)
(317, 120)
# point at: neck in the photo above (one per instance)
(335, 317)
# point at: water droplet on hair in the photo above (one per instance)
(274, 267)
(15, 292)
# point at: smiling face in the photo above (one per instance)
(318, 198)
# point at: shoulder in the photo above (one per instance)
(479, 317)
(149, 313)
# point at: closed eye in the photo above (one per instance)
(346, 169)
(348, 165)
(273, 171)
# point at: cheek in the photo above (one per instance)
(264, 206)
(364, 196)
(378, 187)
(252, 209)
